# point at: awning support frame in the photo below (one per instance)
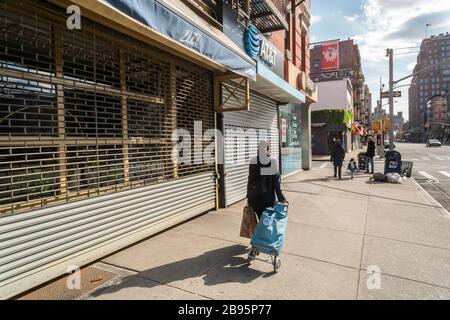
(219, 85)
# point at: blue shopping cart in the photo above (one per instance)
(269, 235)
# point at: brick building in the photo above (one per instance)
(348, 66)
(431, 79)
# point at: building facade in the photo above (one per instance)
(437, 118)
(335, 60)
(431, 80)
(333, 96)
(121, 119)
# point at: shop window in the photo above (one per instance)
(28, 174)
(145, 120)
(94, 168)
(27, 108)
(91, 111)
(25, 41)
(92, 114)
(88, 58)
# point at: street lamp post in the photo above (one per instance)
(390, 54)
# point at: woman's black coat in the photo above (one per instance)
(262, 187)
(337, 154)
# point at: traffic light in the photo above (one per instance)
(387, 124)
(376, 126)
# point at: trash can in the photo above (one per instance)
(393, 162)
(362, 161)
(407, 168)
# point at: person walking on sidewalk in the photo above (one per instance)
(264, 181)
(337, 157)
(369, 155)
(352, 167)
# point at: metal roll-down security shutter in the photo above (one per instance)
(86, 123)
(242, 132)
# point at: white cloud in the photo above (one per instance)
(398, 23)
(385, 24)
(351, 18)
(410, 67)
(315, 19)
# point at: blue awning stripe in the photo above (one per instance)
(165, 21)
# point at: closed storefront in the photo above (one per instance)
(86, 123)
(242, 132)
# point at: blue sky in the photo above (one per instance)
(379, 24)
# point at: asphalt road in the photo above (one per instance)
(431, 169)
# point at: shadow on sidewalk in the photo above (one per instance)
(230, 267)
(327, 179)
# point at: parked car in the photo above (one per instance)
(433, 143)
(386, 144)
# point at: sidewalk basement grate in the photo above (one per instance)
(91, 278)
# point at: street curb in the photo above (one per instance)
(441, 207)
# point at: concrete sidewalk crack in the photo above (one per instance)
(409, 242)
(412, 280)
(362, 245)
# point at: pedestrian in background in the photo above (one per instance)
(370, 153)
(352, 167)
(337, 157)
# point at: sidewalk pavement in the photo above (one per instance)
(337, 230)
(353, 153)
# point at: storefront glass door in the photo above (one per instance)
(291, 152)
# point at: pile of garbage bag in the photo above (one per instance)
(390, 177)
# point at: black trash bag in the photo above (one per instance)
(379, 176)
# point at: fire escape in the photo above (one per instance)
(266, 15)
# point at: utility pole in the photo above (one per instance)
(381, 94)
(380, 135)
(390, 54)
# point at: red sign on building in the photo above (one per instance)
(330, 55)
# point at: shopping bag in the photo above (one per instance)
(249, 222)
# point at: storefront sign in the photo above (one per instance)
(252, 42)
(260, 49)
(170, 24)
(267, 53)
(318, 125)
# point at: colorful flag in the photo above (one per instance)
(363, 131)
(330, 55)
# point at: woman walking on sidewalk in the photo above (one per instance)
(264, 181)
(337, 157)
